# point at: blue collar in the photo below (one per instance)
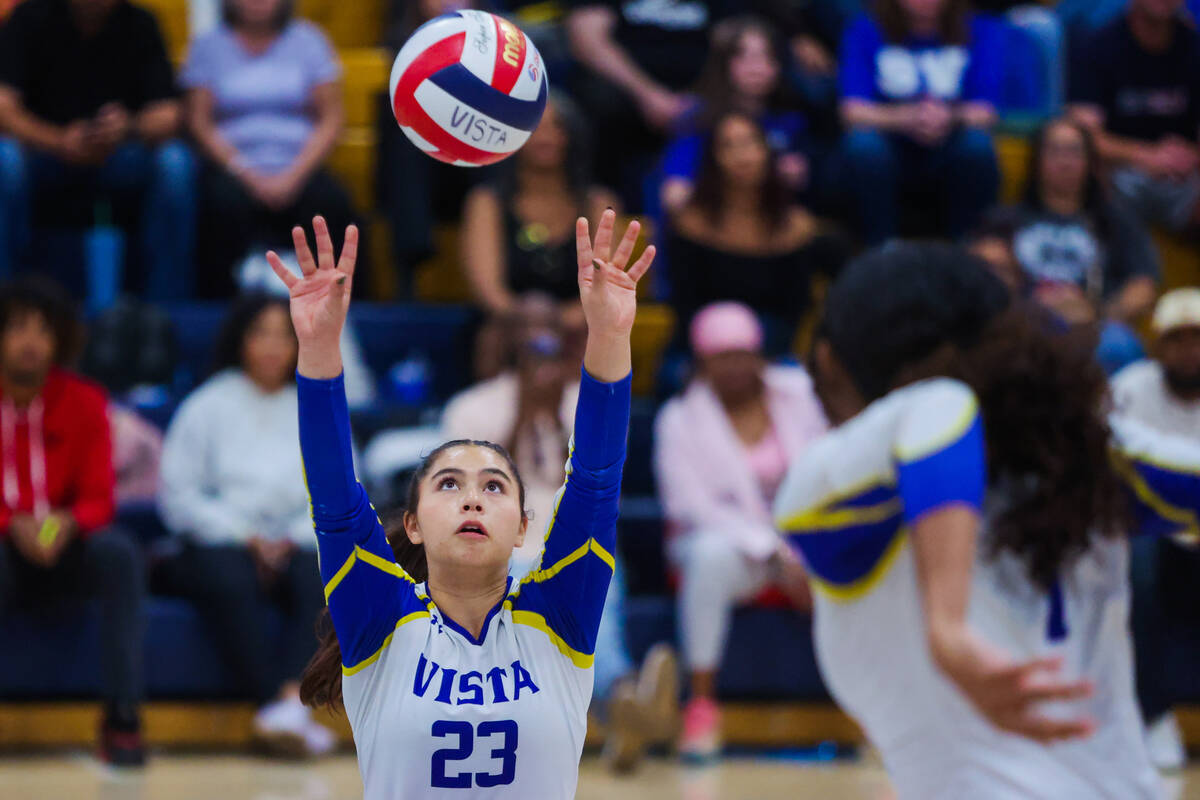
(463, 632)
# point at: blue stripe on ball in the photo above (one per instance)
(465, 86)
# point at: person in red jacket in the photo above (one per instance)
(56, 498)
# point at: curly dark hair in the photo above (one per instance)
(38, 295)
(952, 25)
(911, 311)
(710, 196)
(321, 683)
(245, 310)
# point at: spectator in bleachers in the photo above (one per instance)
(741, 220)
(1163, 392)
(721, 451)
(232, 488)
(921, 81)
(88, 109)
(264, 104)
(1083, 255)
(518, 231)
(743, 72)
(56, 535)
(643, 55)
(1136, 85)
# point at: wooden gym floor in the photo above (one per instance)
(199, 777)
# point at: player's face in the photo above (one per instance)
(27, 348)
(1179, 353)
(469, 513)
(753, 70)
(269, 349)
(741, 152)
(1064, 160)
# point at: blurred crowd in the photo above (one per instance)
(762, 141)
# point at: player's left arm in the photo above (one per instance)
(1162, 473)
(567, 590)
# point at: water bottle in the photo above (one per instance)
(104, 248)
(409, 380)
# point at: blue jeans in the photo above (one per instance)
(151, 189)
(879, 166)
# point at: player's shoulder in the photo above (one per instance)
(932, 414)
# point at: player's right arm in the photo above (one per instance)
(369, 595)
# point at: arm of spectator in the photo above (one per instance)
(1134, 300)
(158, 121)
(185, 498)
(859, 113)
(482, 247)
(94, 497)
(1114, 149)
(329, 111)
(32, 131)
(202, 124)
(590, 31)
(976, 114)
(1135, 267)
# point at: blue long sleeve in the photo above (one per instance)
(565, 594)
(367, 592)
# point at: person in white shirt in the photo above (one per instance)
(965, 531)
(232, 489)
(1163, 392)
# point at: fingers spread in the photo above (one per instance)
(285, 274)
(1048, 730)
(642, 264)
(1058, 691)
(324, 243)
(303, 254)
(625, 247)
(349, 255)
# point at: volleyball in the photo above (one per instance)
(468, 88)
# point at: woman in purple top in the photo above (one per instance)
(921, 80)
(264, 104)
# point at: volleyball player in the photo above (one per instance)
(964, 529)
(457, 682)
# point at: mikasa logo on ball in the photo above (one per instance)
(512, 43)
(476, 128)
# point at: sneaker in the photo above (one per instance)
(121, 746)
(658, 694)
(1165, 744)
(624, 740)
(281, 729)
(701, 740)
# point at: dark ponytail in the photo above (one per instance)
(911, 311)
(321, 683)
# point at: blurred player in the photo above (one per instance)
(964, 529)
(453, 677)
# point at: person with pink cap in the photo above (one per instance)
(722, 449)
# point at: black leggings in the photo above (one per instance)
(222, 583)
(233, 223)
(107, 566)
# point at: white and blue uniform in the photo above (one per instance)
(436, 712)
(847, 506)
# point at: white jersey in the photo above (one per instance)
(846, 506)
(435, 711)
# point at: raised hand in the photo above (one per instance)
(319, 298)
(609, 294)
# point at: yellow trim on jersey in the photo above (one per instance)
(603, 554)
(950, 435)
(847, 592)
(839, 496)
(828, 519)
(367, 557)
(529, 618)
(371, 659)
(1186, 518)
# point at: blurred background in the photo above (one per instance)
(152, 150)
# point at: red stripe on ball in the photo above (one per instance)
(510, 55)
(441, 54)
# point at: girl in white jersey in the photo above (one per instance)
(1001, 671)
(458, 682)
